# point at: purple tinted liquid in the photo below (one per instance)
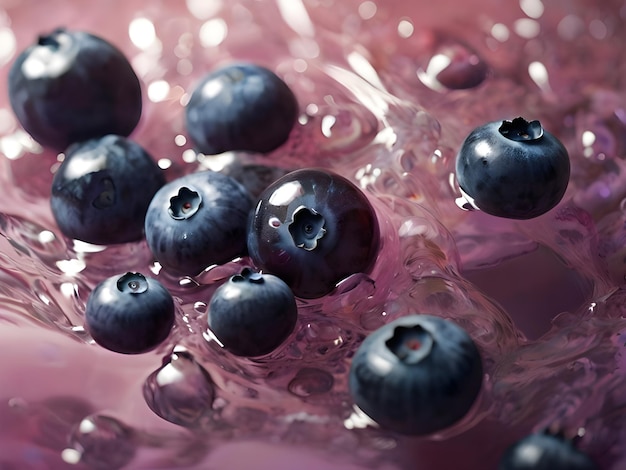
(377, 108)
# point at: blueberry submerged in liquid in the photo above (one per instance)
(181, 391)
(129, 313)
(310, 381)
(71, 86)
(513, 169)
(253, 313)
(544, 451)
(313, 228)
(103, 443)
(416, 375)
(454, 66)
(101, 191)
(241, 107)
(198, 220)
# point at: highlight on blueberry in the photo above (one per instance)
(252, 313)
(545, 451)
(198, 220)
(101, 191)
(241, 107)
(513, 169)
(129, 313)
(72, 86)
(416, 375)
(313, 228)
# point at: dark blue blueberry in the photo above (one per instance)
(513, 169)
(241, 107)
(252, 313)
(197, 221)
(545, 451)
(313, 228)
(254, 177)
(72, 86)
(101, 191)
(416, 375)
(129, 313)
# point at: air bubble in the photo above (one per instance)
(200, 307)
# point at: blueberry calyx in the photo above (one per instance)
(49, 40)
(132, 283)
(185, 204)
(249, 275)
(520, 130)
(306, 228)
(106, 196)
(410, 344)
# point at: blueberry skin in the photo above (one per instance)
(101, 191)
(252, 313)
(416, 375)
(72, 86)
(513, 169)
(129, 313)
(313, 228)
(198, 220)
(241, 107)
(545, 451)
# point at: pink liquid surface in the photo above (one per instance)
(543, 299)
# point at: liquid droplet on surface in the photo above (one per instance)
(181, 391)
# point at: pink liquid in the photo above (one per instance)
(543, 298)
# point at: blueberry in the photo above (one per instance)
(129, 313)
(313, 228)
(181, 391)
(252, 313)
(416, 375)
(454, 66)
(101, 191)
(544, 451)
(198, 220)
(72, 86)
(241, 107)
(513, 169)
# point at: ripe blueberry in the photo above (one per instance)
(545, 451)
(313, 228)
(129, 313)
(252, 313)
(101, 191)
(241, 107)
(513, 169)
(416, 375)
(72, 86)
(198, 220)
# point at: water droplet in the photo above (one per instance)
(181, 391)
(104, 443)
(200, 307)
